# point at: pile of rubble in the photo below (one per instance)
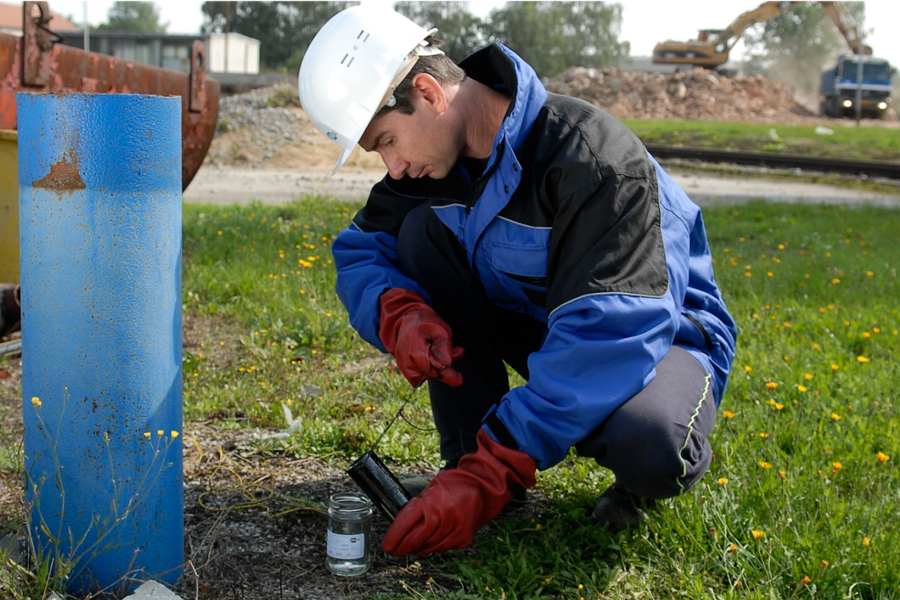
(696, 94)
(267, 128)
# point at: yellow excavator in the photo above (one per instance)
(712, 46)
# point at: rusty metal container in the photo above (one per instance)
(35, 63)
(9, 208)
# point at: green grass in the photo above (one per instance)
(814, 290)
(867, 143)
(811, 404)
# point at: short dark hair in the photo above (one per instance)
(439, 66)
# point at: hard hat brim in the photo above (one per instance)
(342, 159)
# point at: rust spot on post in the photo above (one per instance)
(63, 176)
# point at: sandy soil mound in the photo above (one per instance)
(697, 94)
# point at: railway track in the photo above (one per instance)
(844, 166)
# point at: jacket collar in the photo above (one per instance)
(500, 68)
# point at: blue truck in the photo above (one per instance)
(839, 87)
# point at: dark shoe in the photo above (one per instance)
(10, 311)
(618, 509)
(417, 485)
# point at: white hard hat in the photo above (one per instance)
(351, 69)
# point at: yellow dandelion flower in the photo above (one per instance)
(802, 389)
(867, 541)
(876, 330)
(835, 366)
(870, 273)
(733, 547)
(36, 401)
(782, 474)
(808, 376)
(147, 434)
(866, 334)
(160, 432)
(174, 434)
(764, 435)
(757, 535)
(580, 587)
(882, 457)
(835, 417)
(771, 385)
(863, 359)
(835, 281)
(722, 481)
(816, 346)
(837, 466)
(805, 579)
(778, 406)
(765, 465)
(748, 369)
(728, 414)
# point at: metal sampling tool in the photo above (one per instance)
(376, 480)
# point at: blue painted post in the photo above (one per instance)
(100, 246)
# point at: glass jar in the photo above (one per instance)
(349, 529)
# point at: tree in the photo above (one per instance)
(142, 17)
(553, 36)
(284, 29)
(796, 45)
(461, 32)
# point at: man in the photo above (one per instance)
(523, 228)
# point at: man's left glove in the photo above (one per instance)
(458, 502)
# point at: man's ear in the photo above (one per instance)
(431, 91)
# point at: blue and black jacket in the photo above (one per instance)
(576, 225)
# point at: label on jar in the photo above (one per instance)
(346, 546)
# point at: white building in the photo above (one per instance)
(232, 53)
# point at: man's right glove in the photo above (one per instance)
(418, 338)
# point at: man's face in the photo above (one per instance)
(423, 144)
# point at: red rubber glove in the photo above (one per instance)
(458, 502)
(418, 338)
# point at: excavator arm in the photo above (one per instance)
(712, 48)
(846, 24)
(765, 11)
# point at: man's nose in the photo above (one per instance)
(396, 166)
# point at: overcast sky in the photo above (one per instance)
(645, 22)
